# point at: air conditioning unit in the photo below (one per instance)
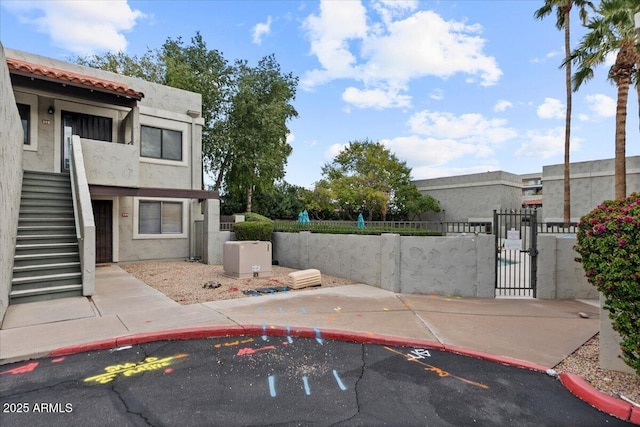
(247, 259)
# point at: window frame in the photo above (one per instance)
(32, 101)
(136, 219)
(168, 124)
(162, 134)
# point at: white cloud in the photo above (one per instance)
(551, 108)
(430, 152)
(260, 30)
(546, 143)
(502, 105)
(81, 27)
(388, 54)
(290, 138)
(437, 94)
(601, 105)
(549, 55)
(438, 138)
(375, 98)
(334, 150)
(470, 127)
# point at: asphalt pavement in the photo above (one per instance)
(251, 380)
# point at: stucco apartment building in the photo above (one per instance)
(96, 168)
(473, 197)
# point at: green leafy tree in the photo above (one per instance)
(146, 66)
(612, 31)
(245, 109)
(367, 177)
(563, 16)
(255, 128)
(319, 202)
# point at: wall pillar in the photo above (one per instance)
(485, 266)
(213, 240)
(547, 259)
(390, 262)
(610, 344)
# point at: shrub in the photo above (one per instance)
(254, 227)
(344, 229)
(250, 217)
(609, 243)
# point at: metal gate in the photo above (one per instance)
(516, 252)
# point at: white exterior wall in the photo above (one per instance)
(11, 151)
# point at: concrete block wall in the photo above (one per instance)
(559, 275)
(11, 147)
(457, 265)
(472, 196)
(591, 183)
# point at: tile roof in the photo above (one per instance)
(68, 77)
(532, 202)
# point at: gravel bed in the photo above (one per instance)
(193, 282)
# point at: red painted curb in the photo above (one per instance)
(635, 415)
(80, 348)
(503, 360)
(605, 403)
(574, 383)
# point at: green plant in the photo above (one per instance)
(609, 243)
(254, 217)
(254, 227)
(253, 230)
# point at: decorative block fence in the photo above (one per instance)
(453, 265)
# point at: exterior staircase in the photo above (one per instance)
(47, 258)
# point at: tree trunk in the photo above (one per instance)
(621, 74)
(221, 172)
(567, 125)
(621, 135)
(249, 195)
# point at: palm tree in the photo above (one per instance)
(563, 13)
(612, 32)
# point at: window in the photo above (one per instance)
(160, 217)
(161, 143)
(25, 118)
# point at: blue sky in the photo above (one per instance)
(451, 87)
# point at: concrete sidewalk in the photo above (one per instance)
(538, 331)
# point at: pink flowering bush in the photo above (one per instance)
(609, 243)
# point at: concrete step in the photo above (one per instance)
(46, 196)
(56, 211)
(46, 238)
(46, 258)
(46, 176)
(39, 188)
(60, 230)
(45, 281)
(31, 203)
(45, 269)
(46, 222)
(45, 294)
(46, 248)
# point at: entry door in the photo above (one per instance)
(85, 126)
(102, 214)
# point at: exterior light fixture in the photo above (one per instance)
(50, 110)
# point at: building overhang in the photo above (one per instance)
(32, 75)
(171, 193)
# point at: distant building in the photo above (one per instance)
(475, 196)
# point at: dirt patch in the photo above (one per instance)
(194, 282)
